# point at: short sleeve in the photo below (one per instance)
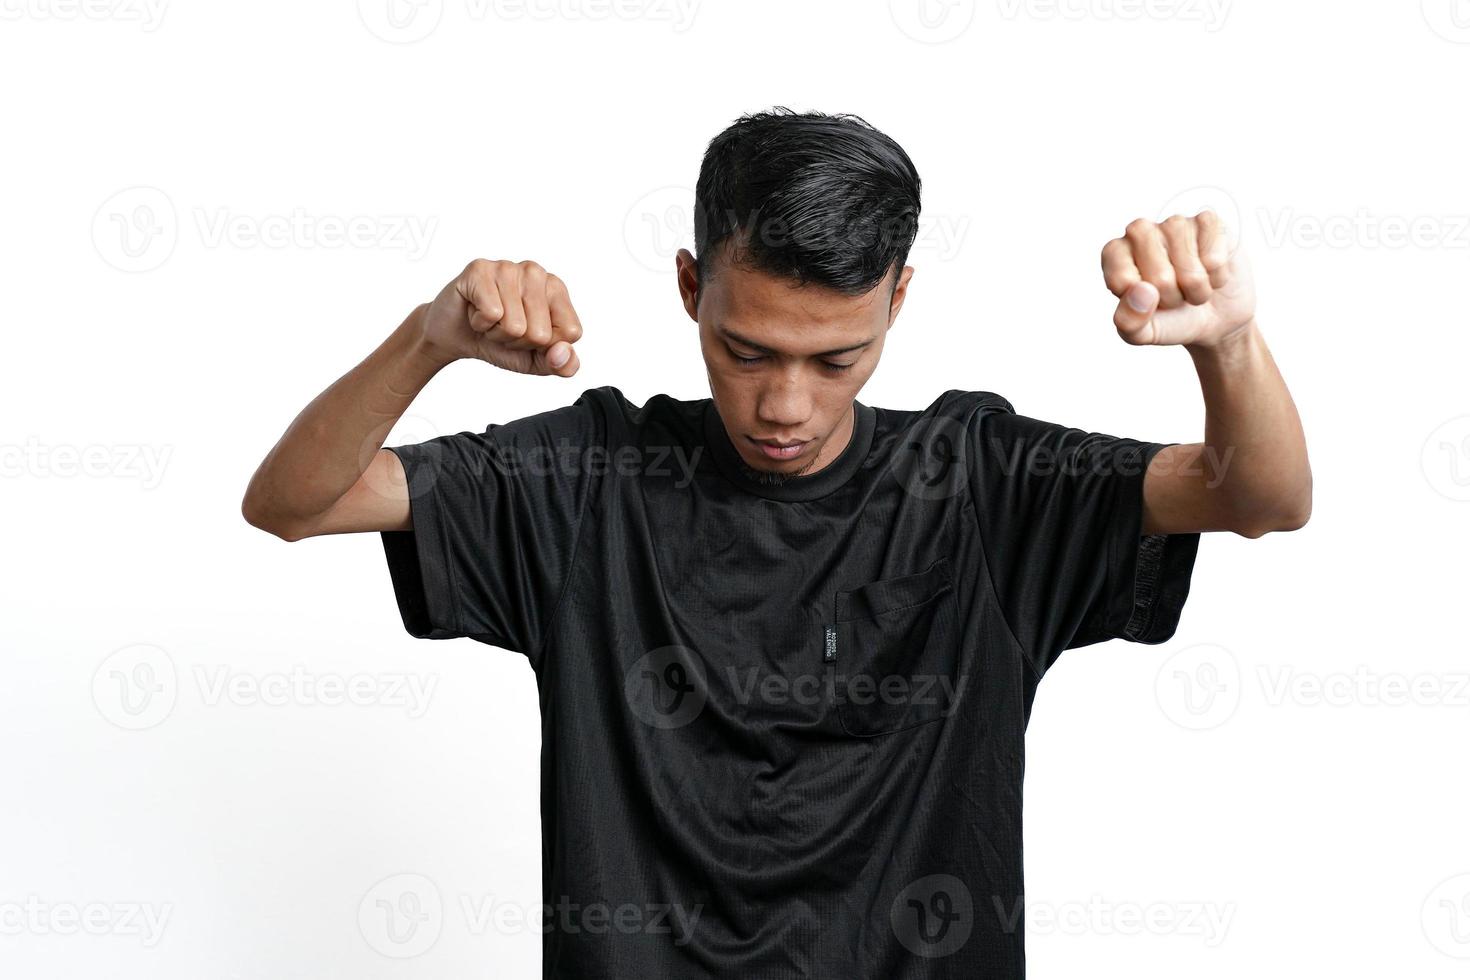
(496, 519)
(1061, 517)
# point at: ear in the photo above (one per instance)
(900, 291)
(687, 274)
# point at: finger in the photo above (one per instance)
(559, 359)
(1135, 313)
(1119, 270)
(1214, 247)
(1152, 258)
(1189, 271)
(565, 323)
(511, 330)
(533, 298)
(476, 286)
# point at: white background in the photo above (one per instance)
(1277, 791)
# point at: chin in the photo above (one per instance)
(782, 468)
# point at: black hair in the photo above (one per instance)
(812, 197)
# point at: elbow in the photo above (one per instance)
(255, 516)
(1299, 517)
(1261, 528)
(1290, 516)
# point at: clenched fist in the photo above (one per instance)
(515, 315)
(1178, 282)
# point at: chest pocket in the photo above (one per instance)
(893, 653)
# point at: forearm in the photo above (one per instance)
(1254, 451)
(333, 440)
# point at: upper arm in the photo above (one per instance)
(378, 501)
(1181, 492)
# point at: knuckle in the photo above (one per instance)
(1193, 277)
(1139, 226)
(1124, 326)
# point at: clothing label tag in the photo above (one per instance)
(831, 653)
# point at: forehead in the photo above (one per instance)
(777, 314)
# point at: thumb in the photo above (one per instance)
(560, 359)
(1135, 313)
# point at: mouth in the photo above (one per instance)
(776, 449)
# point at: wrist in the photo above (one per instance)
(1236, 344)
(415, 344)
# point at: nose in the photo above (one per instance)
(784, 405)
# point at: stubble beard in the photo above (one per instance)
(774, 478)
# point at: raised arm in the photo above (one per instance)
(328, 474)
(1179, 283)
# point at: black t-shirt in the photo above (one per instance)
(783, 724)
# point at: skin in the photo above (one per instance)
(1179, 284)
(328, 474)
(808, 352)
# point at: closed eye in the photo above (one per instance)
(830, 366)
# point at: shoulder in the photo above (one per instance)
(954, 410)
(605, 416)
(581, 422)
(604, 405)
(976, 405)
(661, 418)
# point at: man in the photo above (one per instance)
(787, 643)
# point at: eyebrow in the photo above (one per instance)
(732, 335)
